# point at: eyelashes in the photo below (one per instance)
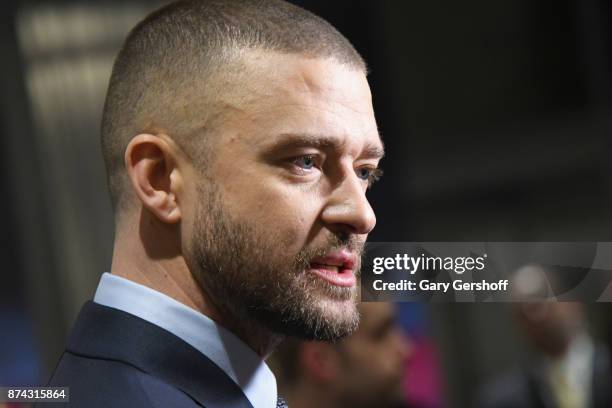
(305, 162)
(308, 162)
(374, 175)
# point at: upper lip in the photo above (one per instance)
(341, 258)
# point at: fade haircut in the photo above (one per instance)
(175, 65)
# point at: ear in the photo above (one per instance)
(156, 179)
(320, 361)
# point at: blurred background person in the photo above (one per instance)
(364, 370)
(569, 368)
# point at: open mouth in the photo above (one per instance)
(337, 268)
(334, 275)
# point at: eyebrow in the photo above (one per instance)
(288, 141)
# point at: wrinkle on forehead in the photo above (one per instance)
(306, 83)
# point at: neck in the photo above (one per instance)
(165, 270)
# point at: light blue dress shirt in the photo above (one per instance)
(223, 348)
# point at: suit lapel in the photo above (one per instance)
(601, 395)
(107, 333)
(541, 394)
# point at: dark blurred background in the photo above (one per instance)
(495, 115)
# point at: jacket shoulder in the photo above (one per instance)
(95, 382)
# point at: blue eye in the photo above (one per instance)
(305, 162)
(364, 173)
(371, 175)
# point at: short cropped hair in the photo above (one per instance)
(168, 73)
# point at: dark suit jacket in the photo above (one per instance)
(528, 388)
(115, 359)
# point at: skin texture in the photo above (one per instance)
(364, 370)
(260, 200)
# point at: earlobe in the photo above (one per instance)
(173, 210)
(154, 176)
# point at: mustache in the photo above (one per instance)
(332, 243)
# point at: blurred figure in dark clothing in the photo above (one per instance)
(363, 370)
(571, 370)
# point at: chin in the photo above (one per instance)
(337, 308)
(339, 311)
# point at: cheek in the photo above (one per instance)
(275, 209)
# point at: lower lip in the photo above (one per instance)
(344, 277)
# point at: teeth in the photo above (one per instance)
(334, 268)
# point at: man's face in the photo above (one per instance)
(282, 213)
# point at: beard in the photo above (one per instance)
(250, 274)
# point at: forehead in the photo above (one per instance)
(283, 94)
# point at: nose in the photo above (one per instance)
(348, 209)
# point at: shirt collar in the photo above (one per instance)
(232, 355)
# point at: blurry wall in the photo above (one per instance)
(504, 108)
(495, 116)
(58, 59)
